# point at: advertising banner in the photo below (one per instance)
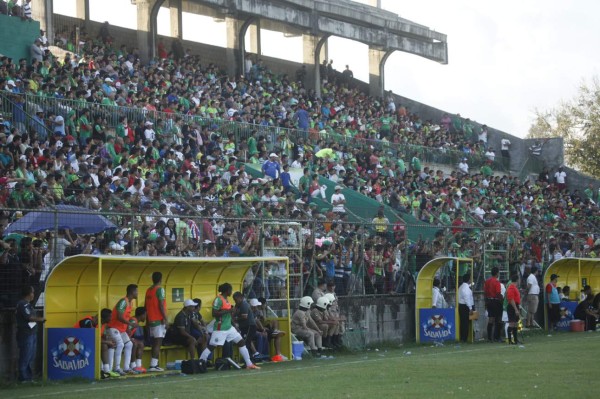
(71, 353)
(567, 311)
(437, 325)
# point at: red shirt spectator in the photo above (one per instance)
(456, 223)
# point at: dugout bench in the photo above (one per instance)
(84, 284)
(576, 273)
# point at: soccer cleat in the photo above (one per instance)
(277, 358)
(104, 375)
(130, 372)
(252, 367)
(155, 369)
(120, 372)
(113, 374)
(284, 358)
(140, 370)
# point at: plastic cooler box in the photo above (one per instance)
(297, 349)
(577, 325)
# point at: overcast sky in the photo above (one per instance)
(505, 58)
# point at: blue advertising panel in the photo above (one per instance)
(437, 325)
(71, 353)
(567, 311)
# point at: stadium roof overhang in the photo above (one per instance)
(375, 27)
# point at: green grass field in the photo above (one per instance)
(563, 365)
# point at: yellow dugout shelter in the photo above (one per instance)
(83, 285)
(576, 273)
(433, 329)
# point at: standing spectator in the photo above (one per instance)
(26, 333)
(437, 297)
(104, 33)
(483, 136)
(493, 305)
(302, 118)
(27, 9)
(466, 306)
(513, 299)
(381, 223)
(286, 179)
(149, 132)
(338, 200)
(271, 167)
(36, 51)
(57, 246)
(533, 293)
(156, 310)
(553, 302)
(224, 331)
(463, 166)
(348, 75)
(561, 179)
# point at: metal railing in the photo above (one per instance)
(164, 122)
(23, 114)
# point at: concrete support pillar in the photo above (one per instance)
(147, 11)
(176, 11)
(375, 3)
(254, 31)
(42, 11)
(314, 52)
(234, 52)
(82, 9)
(377, 59)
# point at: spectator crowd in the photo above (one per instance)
(164, 149)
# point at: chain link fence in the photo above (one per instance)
(361, 259)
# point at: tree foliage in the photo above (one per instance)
(577, 121)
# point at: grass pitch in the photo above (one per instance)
(563, 365)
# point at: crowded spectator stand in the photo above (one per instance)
(163, 150)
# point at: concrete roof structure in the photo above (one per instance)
(343, 18)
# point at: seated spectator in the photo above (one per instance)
(328, 327)
(586, 310)
(267, 328)
(305, 328)
(180, 332)
(137, 338)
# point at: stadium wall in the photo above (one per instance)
(17, 37)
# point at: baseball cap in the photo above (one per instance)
(338, 187)
(189, 302)
(273, 155)
(553, 276)
(255, 302)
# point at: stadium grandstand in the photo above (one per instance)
(193, 158)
